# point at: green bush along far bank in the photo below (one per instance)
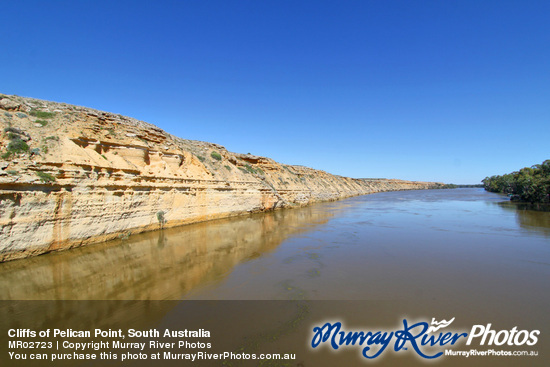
(530, 184)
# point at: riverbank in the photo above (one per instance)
(71, 176)
(529, 184)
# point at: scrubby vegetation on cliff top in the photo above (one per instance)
(531, 184)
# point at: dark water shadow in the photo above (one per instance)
(532, 217)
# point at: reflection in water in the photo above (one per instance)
(530, 216)
(156, 265)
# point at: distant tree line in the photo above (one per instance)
(531, 184)
(460, 186)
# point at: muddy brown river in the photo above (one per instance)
(368, 261)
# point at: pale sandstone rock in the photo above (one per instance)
(8, 104)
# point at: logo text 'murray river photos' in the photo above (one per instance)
(420, 337)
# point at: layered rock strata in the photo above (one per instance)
(71, 176)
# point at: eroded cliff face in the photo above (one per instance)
(70, 176)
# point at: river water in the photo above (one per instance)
(462, 253)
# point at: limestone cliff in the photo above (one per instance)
(70, 176)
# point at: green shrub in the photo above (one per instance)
(201, 158)
(56, 138)
(16, 146)
(124, 236)
(228, 168)
(161, 218)
(530, 184)
(42, 114)
(45, 177)
(12, 130)
(42, 122)
(216, 156)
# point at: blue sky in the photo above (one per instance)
(447, 91)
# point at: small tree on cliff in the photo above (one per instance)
(161, 219)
